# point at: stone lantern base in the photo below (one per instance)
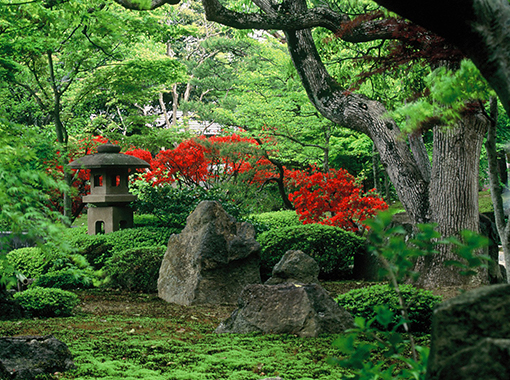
(106, 219)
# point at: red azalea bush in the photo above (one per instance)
(80, 182)
(333, 198)
(206, 161)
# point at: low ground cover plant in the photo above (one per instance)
(31, 261)
(67, 279)
(274, 220)
(118, 335)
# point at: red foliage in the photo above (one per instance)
(140, 153)
(80, 183)
(202, 161)
(410, 43)
(332, 198)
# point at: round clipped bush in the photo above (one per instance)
(66, 279)
(98, 249)
(31, 261)
(332, 248)
(275, 220)
(47, 302)
(136, 269)
(420, 304)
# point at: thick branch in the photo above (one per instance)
(361, 114)
(311, 18)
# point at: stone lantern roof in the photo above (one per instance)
(108, 156)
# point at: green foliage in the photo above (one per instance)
(362, 342)
(419, 303)
(170, 205)
(450, 90)
(97, 249)
(135, 269)
(399, 253)
(466, 247)
(332, 248)
(31, 261)
(173, 205)
(275, 220)
(47, 302)
(24, 187)
(7, 274)
(67, 279)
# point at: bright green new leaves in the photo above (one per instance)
(24, 187)
(450, 94)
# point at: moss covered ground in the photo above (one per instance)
(120, 335)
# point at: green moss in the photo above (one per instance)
(127, 347)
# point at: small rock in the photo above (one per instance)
(295, 267)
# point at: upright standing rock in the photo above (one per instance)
(211, 260)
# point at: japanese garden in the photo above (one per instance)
(256, 189)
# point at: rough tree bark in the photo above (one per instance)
(454, 194)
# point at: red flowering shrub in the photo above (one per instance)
(80, 183)
(207, 161)
(333, 198)
(140, 153)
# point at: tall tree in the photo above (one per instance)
(454, 170)
(49, 48)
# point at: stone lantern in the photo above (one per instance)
(109, 194)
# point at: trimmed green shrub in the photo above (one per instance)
(420, 304)
(31, 261)
(332, 248)
(275, 220)
(99, 248)
(47, 302)
(70, 278)
(136, 269)
(92, 247)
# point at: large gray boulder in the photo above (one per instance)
(303, 310)
(295, 267)
(211, 260)
(26, 357)
(471, 336)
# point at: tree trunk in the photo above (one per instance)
(163, 109)
(175, 104)
(454, 195)
(496, 188)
